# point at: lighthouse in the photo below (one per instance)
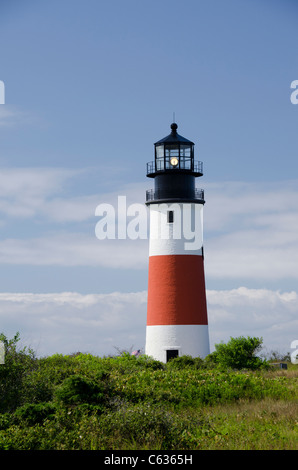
(177, 321)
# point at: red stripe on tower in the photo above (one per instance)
(176, 290)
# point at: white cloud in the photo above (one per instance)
(97, 323)
(8, 116)
(239, 204)
(65, 249)
(11, 116)
(24, 192)
(68, 322)
(80, 208)
(29, 193)
(251, 230)
(254, 312)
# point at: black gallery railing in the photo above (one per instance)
(197, 166)
(152, 195)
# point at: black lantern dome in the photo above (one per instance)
(174, 153)
(174, 171)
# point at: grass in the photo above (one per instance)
(264, 425)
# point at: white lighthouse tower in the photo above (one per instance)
(177, 322)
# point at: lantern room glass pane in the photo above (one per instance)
(168, 164)
(172, 151)
(160, 165)
(185, 163)
(185, 150)
(159, 151)
(159, 158)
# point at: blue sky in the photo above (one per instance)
(89, 87)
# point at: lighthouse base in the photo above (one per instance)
(164, 342)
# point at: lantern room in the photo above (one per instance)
(174, 153)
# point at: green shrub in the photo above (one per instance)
(78, 390)
(240, 353)
(211, 361)
(147, 362)
(127, 363)
(18, 363)
(6, 420)
(148, 426)
(40, 384)
(181, 362)
(35, 413)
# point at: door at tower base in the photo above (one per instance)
(167, 341)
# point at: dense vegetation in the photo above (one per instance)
(231, 400)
